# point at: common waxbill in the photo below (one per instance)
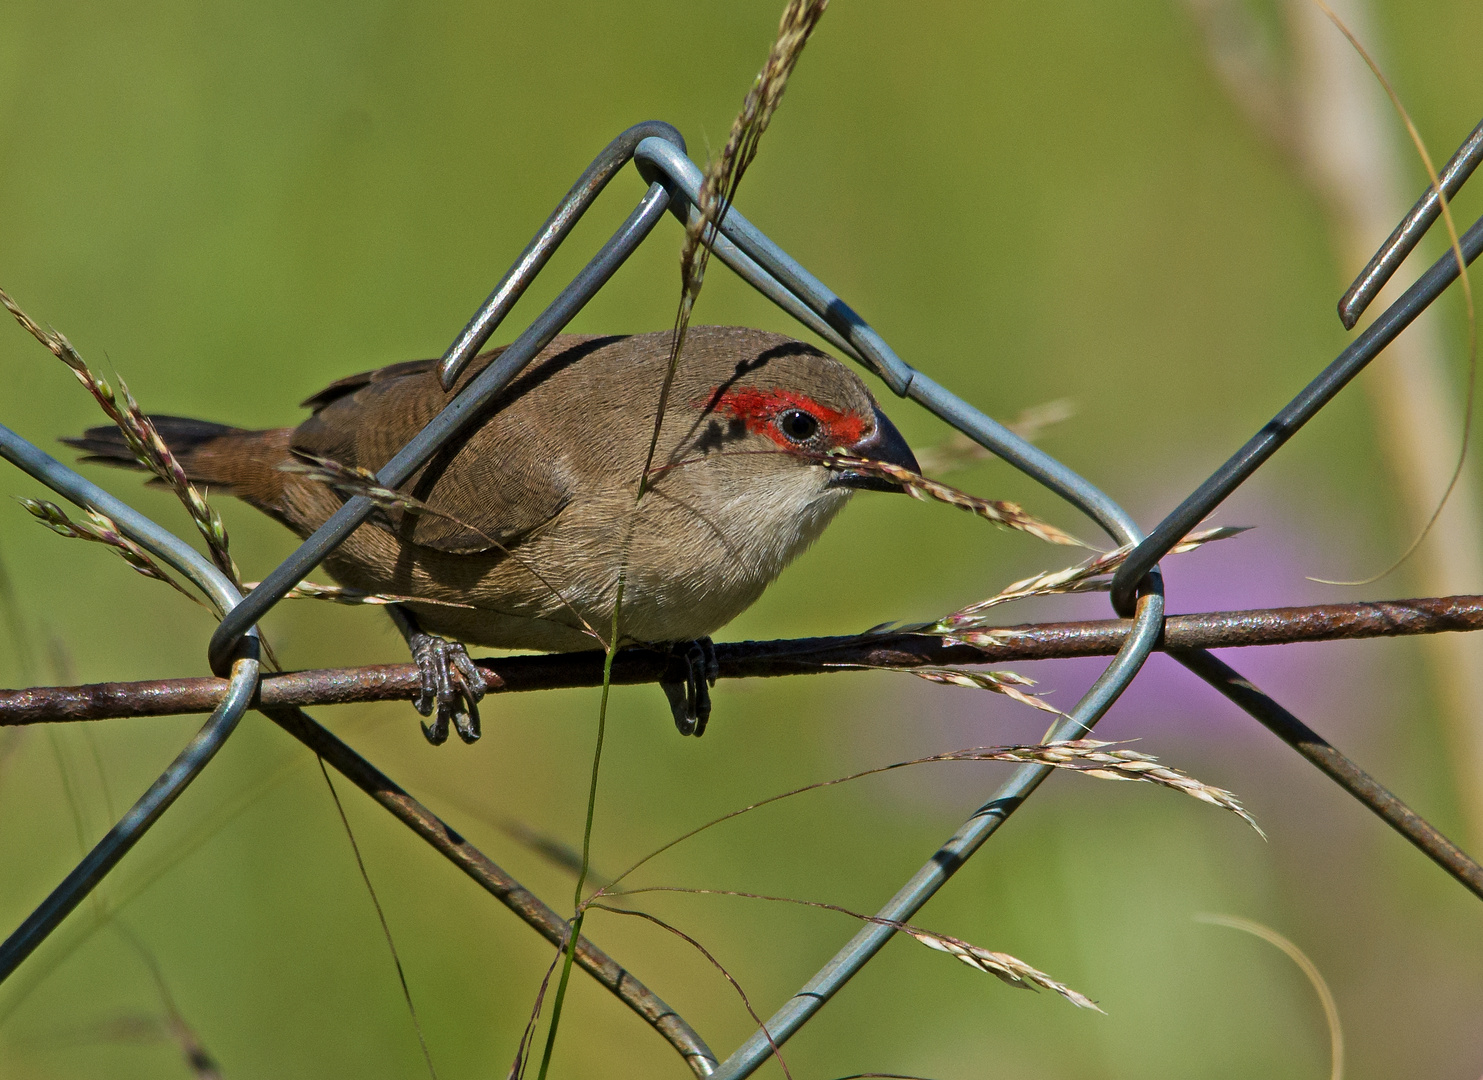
(540, 497)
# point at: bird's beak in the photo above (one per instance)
(883, 444)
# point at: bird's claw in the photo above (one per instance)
(690, 697)
(451, 683)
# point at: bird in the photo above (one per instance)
(526, 523)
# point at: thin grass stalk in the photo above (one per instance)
(198, 1059)
(798, 20)
(579, 910)
(365, 876)
(527, 1037)
(1087, 756)
(746, 1001)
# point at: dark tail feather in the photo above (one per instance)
(235, 460)
(106, 445)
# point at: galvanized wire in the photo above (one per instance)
(1421, 217)
(770, 270)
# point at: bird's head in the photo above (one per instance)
(786, 405)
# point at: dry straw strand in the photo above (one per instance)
(1008, 514)
(1467, 291)
(1077, 755)
(1309, 969)
(1010, 970)
(997, 682)
(1094, 575)
(338, 594)
(1091, 757)
(355, 481)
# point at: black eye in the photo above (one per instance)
(798, 425)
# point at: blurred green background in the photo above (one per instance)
(231, 205)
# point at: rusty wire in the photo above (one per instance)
(757, 659)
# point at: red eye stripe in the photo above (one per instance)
(759, 408)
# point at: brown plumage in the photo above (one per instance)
(540, 496)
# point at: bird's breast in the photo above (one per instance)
(698, 558)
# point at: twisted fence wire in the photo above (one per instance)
(658, 153)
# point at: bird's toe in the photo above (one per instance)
(467, 672)
(424, 655)
(689, 694)
(466, 717)
(679, 706)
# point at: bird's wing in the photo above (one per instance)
(351, 383)
(491, 487)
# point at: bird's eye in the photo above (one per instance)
(797, 425)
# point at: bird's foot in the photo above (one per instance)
(451, 683)
(690, 697)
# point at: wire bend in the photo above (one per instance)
(188, 764)
(777, 276)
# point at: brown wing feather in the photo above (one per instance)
(364, 419)
(351, 383)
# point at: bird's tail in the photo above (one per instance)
(243, 462)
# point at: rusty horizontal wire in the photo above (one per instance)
(759, 659)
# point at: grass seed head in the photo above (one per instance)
(998, 682)
(101, 529)
(1007, 969)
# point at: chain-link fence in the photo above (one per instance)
(658, 154)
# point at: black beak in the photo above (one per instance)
(883, 444)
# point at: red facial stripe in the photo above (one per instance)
(759, 408)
